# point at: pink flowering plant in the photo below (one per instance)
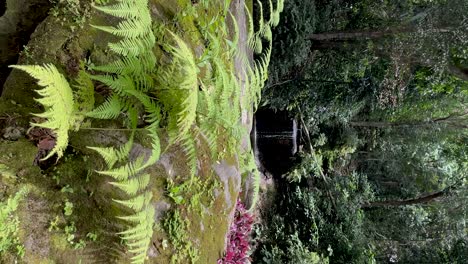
(238, 247)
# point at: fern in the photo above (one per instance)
(57, 99)
(84, 98)
(130, 77)
(180, 99)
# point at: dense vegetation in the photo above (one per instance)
(138, 150)
(380, 89)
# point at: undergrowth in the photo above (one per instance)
(9, 224)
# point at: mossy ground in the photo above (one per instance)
(49, 231)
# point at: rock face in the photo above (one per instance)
(18, 20)
(68, 217)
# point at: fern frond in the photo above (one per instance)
(250, 22)
(181, 101)
(124, 9)
(133, 47)
(261, 19)
(117, 84)
(138, 217)
(126, 171)
(137, 203)
(268, 35)
(84, 98)
(235, 33)
(140, 231)
(155, 145)
(131, 66)
(112, 155)
(275, 19)
(57, 99)
(280, 6)
(131, 77)
(110, 109)
(190, 148)
(132, 185)
(129, 28)
(256, 44)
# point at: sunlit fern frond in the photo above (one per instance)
(139, 231)
(134, 67)
(250, 30)
(112, 155)
(181, 97)
(132, 185)
(139, 236)
(138, 217)
(155, 145)
(261, 18)
(124, 9)
(280, 6)
(110, 109)
(268, 35)
(207, 113)
(235, 34)
(117, 84)
(138, 202)
(125, 171)
(130, 28)
(57, 99)
(133, 47)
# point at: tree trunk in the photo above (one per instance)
(393, 203)
(370, 34)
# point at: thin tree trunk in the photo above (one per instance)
(393, 203)
(365, 35)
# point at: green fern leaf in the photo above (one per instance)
(112, 155)
(110, 109)
(124, 9)
(84, 98)
(132, 185)
(139, 217)
(129, 28)
(57, 99)
(181, 101)
(133, 47)
(125, 171)
(138, 202)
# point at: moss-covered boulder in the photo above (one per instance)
(67, 215)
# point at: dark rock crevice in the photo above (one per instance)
(18, 21)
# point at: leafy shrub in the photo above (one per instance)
(309, 225)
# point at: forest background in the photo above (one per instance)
(380, 89)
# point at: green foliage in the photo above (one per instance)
(327, 219)
(176, 228)
(57, 98)
(10, 223)
(68, 208)
(130, 85)
(198, 100)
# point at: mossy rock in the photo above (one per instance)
(50, 233)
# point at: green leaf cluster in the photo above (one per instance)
(9, 223)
